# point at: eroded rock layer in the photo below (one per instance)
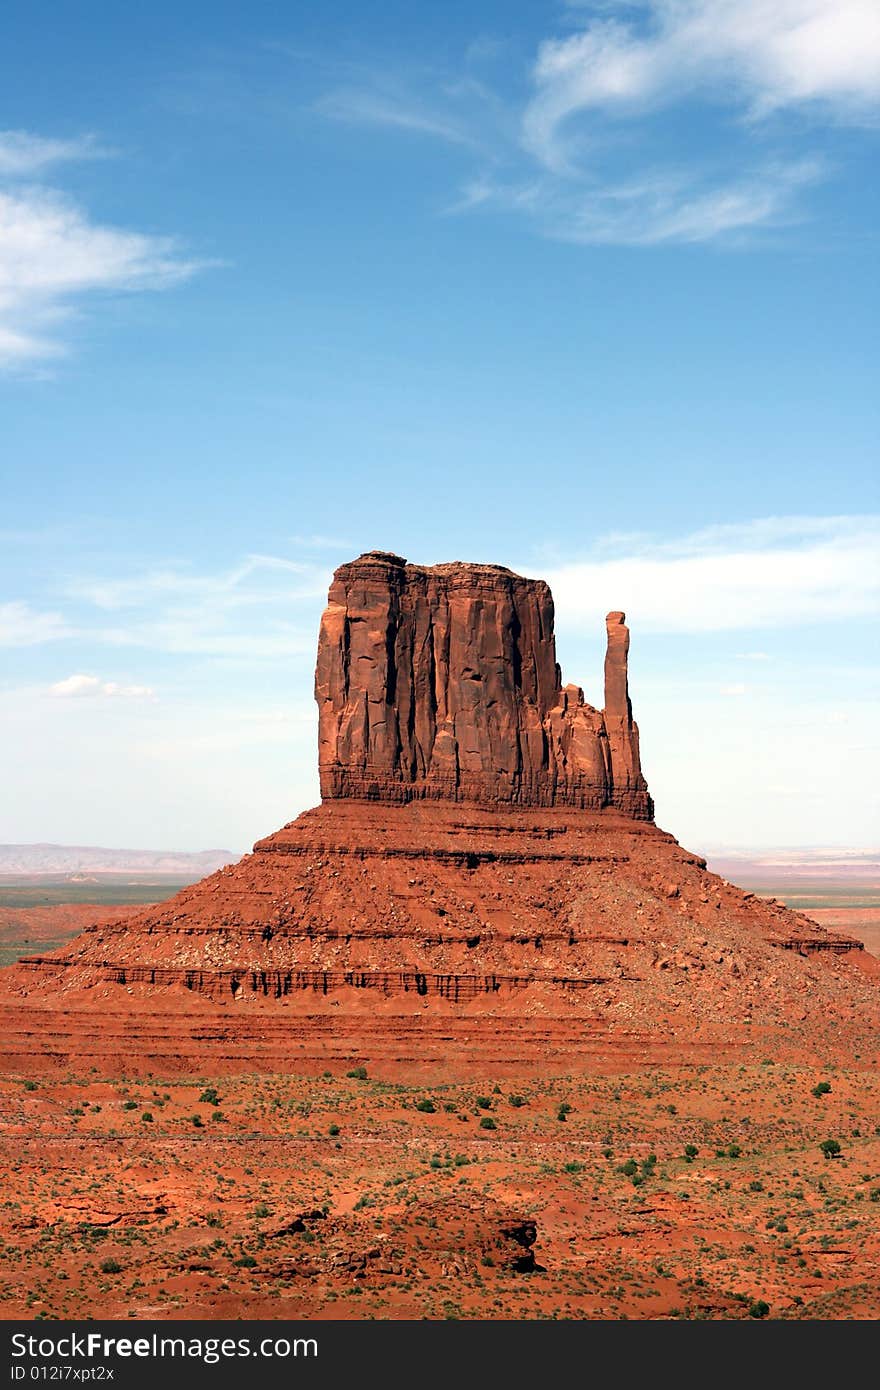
(459, 903)
(482, 882)
(442, 683)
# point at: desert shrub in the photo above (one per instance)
(758, 1308)
(197, 1121)
(629, 1168)
(209, 1096)
(426, 1105)
(245, 1262)
(111, 1266)
(357, 1073)
(333, 1129)
(821, 1088)
(830, 1148)
(484, 1102)
(147, 1118)
(516, 1101)
(488, 1123)
(690, 1152)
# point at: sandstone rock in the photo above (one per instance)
(442, 683)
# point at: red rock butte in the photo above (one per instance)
(483, 884)
(442, 683)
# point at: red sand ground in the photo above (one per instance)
(489, 979)
(330, 1196)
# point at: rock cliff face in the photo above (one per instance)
(442, 683)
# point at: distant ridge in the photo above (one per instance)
(852, 867)
(89, 859)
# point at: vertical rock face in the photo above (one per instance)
(442, 682)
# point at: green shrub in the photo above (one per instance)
(147, 1118)
(484, 1102)
(357, 1073)
(758, 1308)
(333, 1129)
(245, 1262)
(821, 1088)
(111, 1266)
(488, 1123)
(209, 1096)
(830, 1148)
(426, 1105)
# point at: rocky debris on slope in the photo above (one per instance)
(485, 849)
(442, 682)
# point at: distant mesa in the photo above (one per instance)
(93, 861)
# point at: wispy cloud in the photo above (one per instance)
(24, 626)
(771, 573)
(585, 156)
(318, 542)
(249, 611)
(53, 255)
(23, 154)
(243, 583)
(364, 107)
(663, 206)
(80, 686)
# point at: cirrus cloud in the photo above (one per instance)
(53, 255)
(81, 686)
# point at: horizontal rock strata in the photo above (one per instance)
(443, 683)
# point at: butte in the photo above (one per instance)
(482, 887)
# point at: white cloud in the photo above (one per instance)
(52, 254)
(754, 55)
(361, 106)
(584, 156)
(317, 542)
(23, 154)
(241, 584)
(23, 626)
(249, 611)
(683, 205)
(79, 686)
(771, 573)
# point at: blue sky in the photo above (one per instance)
(585, 289)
